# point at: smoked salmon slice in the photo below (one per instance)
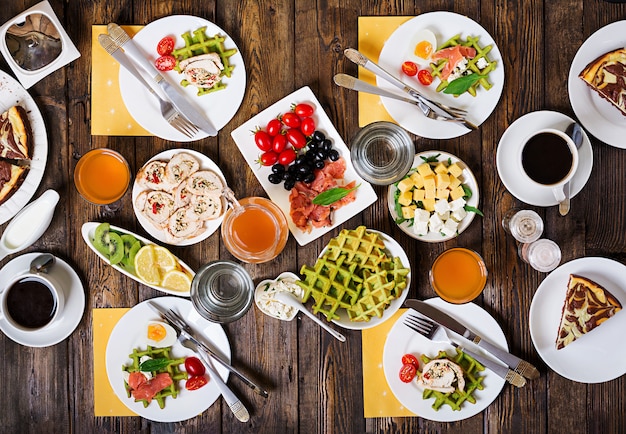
(453, 55)
(149, 388)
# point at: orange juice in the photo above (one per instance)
(102, 176)
(458, 275)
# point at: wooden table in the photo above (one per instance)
(315, 381)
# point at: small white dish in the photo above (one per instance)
(603, 344)
(264, 288)
(88, 229)
(510, 170)
(468, 179)
(402, 340)
(596, 114)
(74, 304)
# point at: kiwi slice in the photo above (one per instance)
(129, 254)
(128, 240)
(101, 238)
(116, 248)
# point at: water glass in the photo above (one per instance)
(524, 225)
(543, 255)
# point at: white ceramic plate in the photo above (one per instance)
(12, 93)
(444, 25)
(243, 137)
(65, 275)
(468, 179)
(600, 117)
(88, 231)
(129, 333)
(510, 169)
(402, 340)
(219, 107)
(603, 345)
(211, 225)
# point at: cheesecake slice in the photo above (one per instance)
(607, 76)
(587, 305)
(15, 134)
(11, 178)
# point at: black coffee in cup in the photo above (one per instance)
(547, 158)
(30, 302)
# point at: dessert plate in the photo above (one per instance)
(596, 114)
(510, 169)
(444, 25)
(219, 107)
(603, 343)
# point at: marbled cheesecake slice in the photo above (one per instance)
(607, 76)
(587, 305)
(15, 134)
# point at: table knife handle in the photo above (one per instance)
(514, 362)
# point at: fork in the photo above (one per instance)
(436, 333)
(169, 113)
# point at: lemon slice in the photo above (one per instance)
(164, 259)
(177, 280)
(146, 266)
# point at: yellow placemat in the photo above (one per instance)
(378, 399)
(106, 402)
(373, 32)
(109, 116)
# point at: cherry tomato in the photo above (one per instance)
(307, 126)
(410, 359)
(291, 119)
(296, 138)
(303, 110)
(273, 127)
(268, 158)
(409, 68)
(286, 157)
(165, 46)
(407, 373)
(196, 382)
(425, 77)
(279, 143)
(263, 140)
(194, 366)
(165, 63)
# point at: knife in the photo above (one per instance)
(576, 134)
(518, 365)
(174, 94)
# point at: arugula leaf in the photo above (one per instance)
(467, 191)
(431, 158)
(469, 208)
(462, 84)
(333, 195)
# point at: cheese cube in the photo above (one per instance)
(417, 179)
(408, 212)
(459, 214)
(451, 224)
(445, 216)
(421, 215)
(454, 182)
(457, 193)
(455, 169)
(435, 222)
(443, 180)
(441, 206)
(405, 184)
(430, 187)
(442, 193)
(420, 228)
(441, 168)
(457, 204)
(418, 194)
(424, 170)
(429, 204)
(405, 198)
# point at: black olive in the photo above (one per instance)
(313, 145)
(304, 168)
(319, 136)
(309, 178)
(321, 155)
(278, 168)
(288, 176)
(319, 164)
(275, 178)
(300, 159)
(292, 168)
(310, 154)
(289, 184)
(299, 176)
(327, 145)
(333, 155)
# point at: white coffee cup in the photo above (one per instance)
(549, 158)
(32, 302)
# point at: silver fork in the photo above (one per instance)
(434, 332)
(169, 113)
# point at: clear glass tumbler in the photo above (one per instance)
(543, 255)
(524, 225)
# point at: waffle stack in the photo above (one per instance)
(473, 381)
(355, 273)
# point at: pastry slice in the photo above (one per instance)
(15, 134)
(587, 305)
(11, 177)
(607, 76)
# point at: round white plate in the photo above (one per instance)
(129, 333)
(603, 345)
(12, 93)
(65, 275)
(510, 170)
(211, 225)
(444, 25)
(599, 116)
(402, 340)
(219, 107)
(468, 179)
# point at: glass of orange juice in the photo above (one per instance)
(458, 275)
(255, 230)
(102, 176)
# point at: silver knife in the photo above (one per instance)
(518, 365)
(174, 94)
(576, 133)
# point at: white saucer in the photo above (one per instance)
(65, 275)
(510, 170)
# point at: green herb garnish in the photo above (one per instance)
(331, 196)
(431, 159)
(152, 365)
(462, 84)
(469, 208)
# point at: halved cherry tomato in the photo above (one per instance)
(196, 382)
(303, 110)
(165, 63)
(273, 127)
(194, 366)
(291, 119)
(286, 157)
(165, 46)
(296, 138)
(307, 126)
(410, 359)
(409, 68)
(268, 158)
(279, 143)
(263, 140)
(407, 373)
(425, 77)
